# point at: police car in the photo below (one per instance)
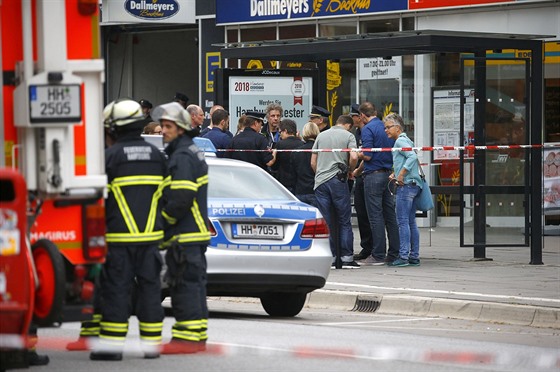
(265, 243)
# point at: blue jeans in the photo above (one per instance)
(335, 195)
(380, 205)
(406, 218)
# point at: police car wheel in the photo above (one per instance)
(283, 304)
(49, 296)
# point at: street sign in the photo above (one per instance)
(60, 103)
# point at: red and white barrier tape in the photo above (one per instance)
(391, 149)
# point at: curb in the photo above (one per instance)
(525, 315)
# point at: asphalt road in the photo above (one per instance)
(244, 338)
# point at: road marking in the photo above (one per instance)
(438, 291)
(379, 321)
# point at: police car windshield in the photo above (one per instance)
(243, 183)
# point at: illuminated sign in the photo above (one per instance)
(236, 11)
(148, 11)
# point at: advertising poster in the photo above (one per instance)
(255, 93)
(551, 182)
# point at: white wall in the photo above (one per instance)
(541, 19)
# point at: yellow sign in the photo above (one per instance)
(213, 61)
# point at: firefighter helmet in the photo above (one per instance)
(174, 112)
(122, 112)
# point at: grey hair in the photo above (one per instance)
(274, 106)
(395, 118)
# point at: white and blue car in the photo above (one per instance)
(265, 242)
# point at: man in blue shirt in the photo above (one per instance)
(219, 132)
(380, 204)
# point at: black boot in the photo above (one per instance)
(36, 359)
(115, 357)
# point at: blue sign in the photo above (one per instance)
(150, 9)
(247, 11)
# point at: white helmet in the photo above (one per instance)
(122, 112)
(175, 112)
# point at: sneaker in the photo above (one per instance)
(350, 265)
(399, 262)
(361, 256)
(414, 262)
(372, 261)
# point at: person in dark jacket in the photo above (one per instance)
(301, 164)
(251, 139)
(282, 166)
(135, 171)
(185, 196)
(219, 132)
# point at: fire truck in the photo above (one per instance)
(52, 134)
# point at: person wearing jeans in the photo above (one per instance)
(408, 181)
(380, 204)
(332, 169)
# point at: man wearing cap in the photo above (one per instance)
(185, 194)
(146, 108)
(182, 99)
(331, 189)
(251, 139)
(380, 204)
(364, 227)
(320, 116)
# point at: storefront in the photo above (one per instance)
(423, 88)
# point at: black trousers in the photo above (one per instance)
(366, 237)
(125, 263)
(186, 275)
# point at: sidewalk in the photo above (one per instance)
(449, 283)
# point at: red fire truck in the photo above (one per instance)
(52, 133)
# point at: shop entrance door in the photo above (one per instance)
(495, 182)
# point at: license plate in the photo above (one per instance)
(257, 231)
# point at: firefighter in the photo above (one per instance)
(135, 171)
(186, 232)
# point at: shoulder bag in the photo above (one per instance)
(424, 200)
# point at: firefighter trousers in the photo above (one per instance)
(187, 278)
(124, 265)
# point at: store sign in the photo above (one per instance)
(148, 11)
(379, 68)
(247, 11)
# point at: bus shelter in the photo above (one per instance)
(476, 189)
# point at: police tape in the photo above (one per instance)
(542, 359)
(393, 149)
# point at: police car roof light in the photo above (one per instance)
(205, 144)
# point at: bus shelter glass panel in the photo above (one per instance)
(496, 184)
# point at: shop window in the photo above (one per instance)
(379, 25)
(296, 32)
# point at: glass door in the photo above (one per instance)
(494, 181)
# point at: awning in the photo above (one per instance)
(385, 44)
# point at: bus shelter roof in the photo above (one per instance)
(371, 45)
